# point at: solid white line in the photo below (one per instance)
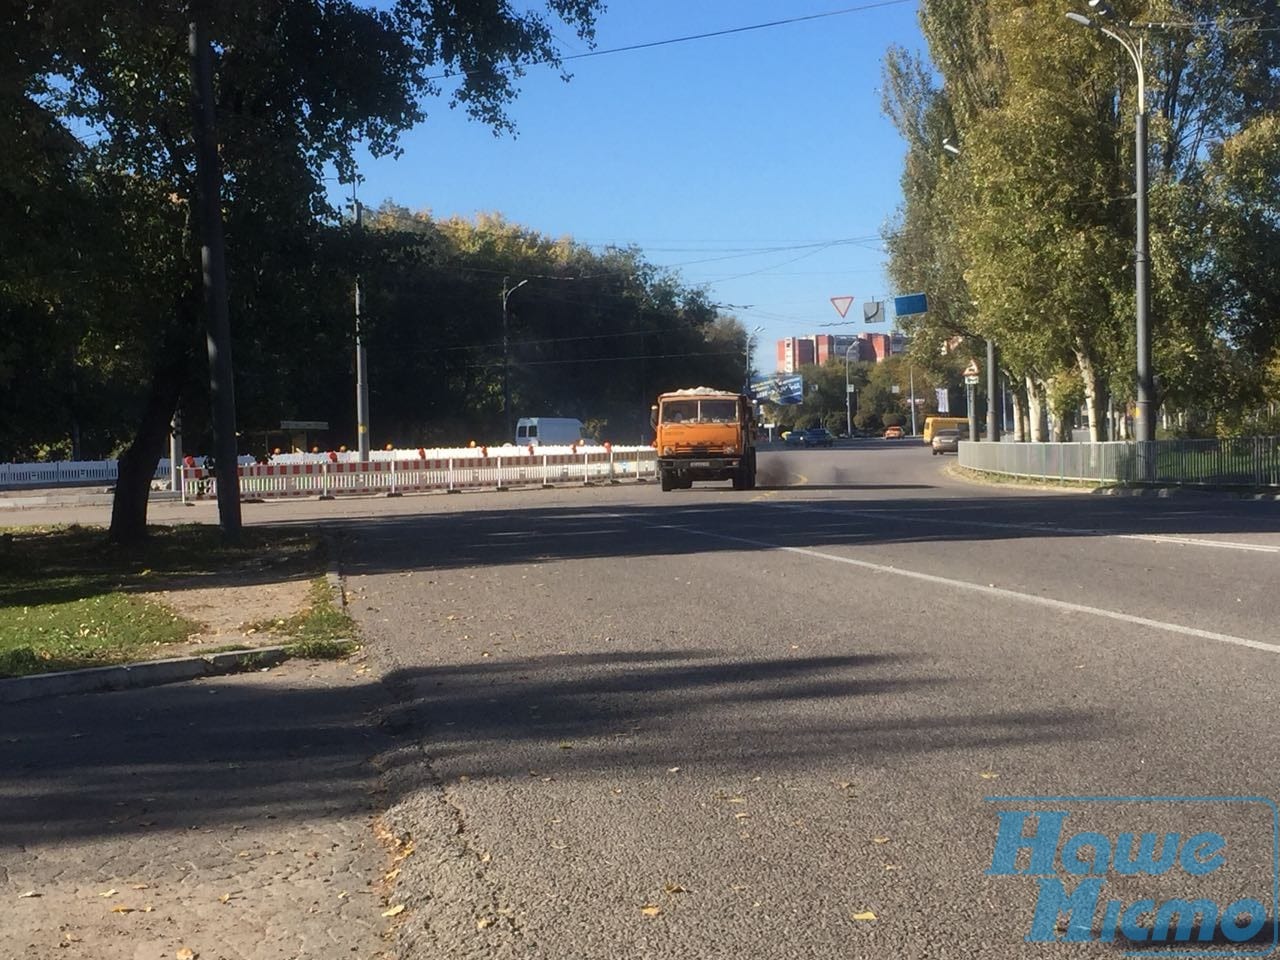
(990, 591)
(1040, 528)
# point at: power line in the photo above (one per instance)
(702, 36)
(634, 356)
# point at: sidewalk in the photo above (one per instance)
(232, 817)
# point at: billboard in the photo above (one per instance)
(780, 390)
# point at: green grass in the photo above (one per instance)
(69, 599)
(322, 631)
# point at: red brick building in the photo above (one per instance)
(819, 348)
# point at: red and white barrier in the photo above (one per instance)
(421, 471)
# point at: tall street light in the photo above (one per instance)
(506, 381)
(746, 373)
(362, 357)
(848, 391)
(1134, 46)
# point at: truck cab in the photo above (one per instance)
(704, 434)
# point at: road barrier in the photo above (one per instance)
(498, 469)
(1252, 462)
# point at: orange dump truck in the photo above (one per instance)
(705, 434)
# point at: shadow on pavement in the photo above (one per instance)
(217, 754)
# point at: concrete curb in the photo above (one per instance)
(129, 676)
(1206, 493)
(976, 477)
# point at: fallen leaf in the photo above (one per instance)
(742, 816)
(394, 911)
(651, 909)
(892, 866)
(108, 893)
(29, 893)
(484, 922)
(866, 915)
(148, 908)
(121, 908)
(566, 746)
(879, 839)
(675, 888)
(186, 953)
(673, 769)
(737, 799)
(139, 886)
(392, 874)
(989, 775)
(343, 895)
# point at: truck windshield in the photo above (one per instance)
(700, 411)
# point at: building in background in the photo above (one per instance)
(819, 348)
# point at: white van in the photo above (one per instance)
(550, 432)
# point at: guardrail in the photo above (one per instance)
(1243, 462)
(477, 469)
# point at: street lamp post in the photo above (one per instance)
(362, 358)
(1135, 46)
(746, 372)
(506, 380)
(848, 392)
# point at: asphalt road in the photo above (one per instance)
(766, 713)
(715, 724)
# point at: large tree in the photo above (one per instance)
(299, 85)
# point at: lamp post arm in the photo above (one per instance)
(1135, 51)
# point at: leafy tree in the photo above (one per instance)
(299, 84)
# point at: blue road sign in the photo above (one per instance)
(911, 303)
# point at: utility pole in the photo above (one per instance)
(362, 360)
(213, 262)
(506, 372)
(993, 422)
(911, 373)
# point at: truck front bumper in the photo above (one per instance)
(701, 468)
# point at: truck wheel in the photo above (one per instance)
(740, 479)
(665, 477)
(751, 475)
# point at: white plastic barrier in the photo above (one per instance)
(479, 468)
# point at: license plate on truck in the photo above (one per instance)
(700, 463)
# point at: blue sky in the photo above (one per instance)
(764, 152)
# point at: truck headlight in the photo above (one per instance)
(666, 451)
(730, 448)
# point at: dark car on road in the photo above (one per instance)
(793, 438)
(819, 437)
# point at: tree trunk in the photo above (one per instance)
(138, 463)
(1094, 396)
(1035, 409)
(1018, 434)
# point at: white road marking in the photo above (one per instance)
(1041, 528)
(991, 591)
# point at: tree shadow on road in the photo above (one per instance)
(214, 754)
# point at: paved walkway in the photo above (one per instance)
(233, 817)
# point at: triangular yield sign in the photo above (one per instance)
(842, 304)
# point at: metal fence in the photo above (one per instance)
(1244, 462)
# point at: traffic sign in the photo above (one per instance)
(842, 304)
(972, 369)
(972, 379)
(911, 304)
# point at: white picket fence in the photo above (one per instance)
(419, 471)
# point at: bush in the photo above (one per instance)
(868, 421)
